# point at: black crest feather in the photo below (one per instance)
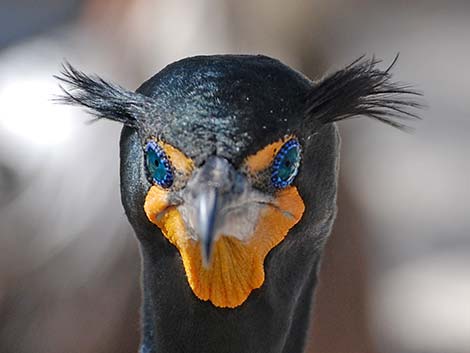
(361, 89)
(104, 99)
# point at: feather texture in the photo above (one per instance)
(361, 89)
(103, 99)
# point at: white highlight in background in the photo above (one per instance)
(27, 110)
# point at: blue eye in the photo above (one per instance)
(158, 165)
(286, 164)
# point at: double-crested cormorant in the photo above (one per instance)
(229, 171)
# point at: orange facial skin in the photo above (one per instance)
(262, 159)
(183, 166)
(236, 267)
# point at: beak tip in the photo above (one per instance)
(206, 249)
(207, 215)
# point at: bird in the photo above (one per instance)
(229, 174)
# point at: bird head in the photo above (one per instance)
(224, 158)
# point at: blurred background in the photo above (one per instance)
(396, 272)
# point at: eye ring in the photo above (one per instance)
(286, 164)
(158, 165)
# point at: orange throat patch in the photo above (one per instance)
(236, 267)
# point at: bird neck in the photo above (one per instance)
(275, 317)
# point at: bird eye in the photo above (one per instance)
(286, 164)
(158, 165)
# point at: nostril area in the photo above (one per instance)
(216, 172)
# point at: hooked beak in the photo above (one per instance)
(220, 201)
(207, 212)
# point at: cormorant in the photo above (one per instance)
(229, 169)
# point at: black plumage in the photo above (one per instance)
(230, 107)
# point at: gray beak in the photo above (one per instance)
(207, 211)
(219, 200)
(206, 194)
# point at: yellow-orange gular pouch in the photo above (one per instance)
(236, 265)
